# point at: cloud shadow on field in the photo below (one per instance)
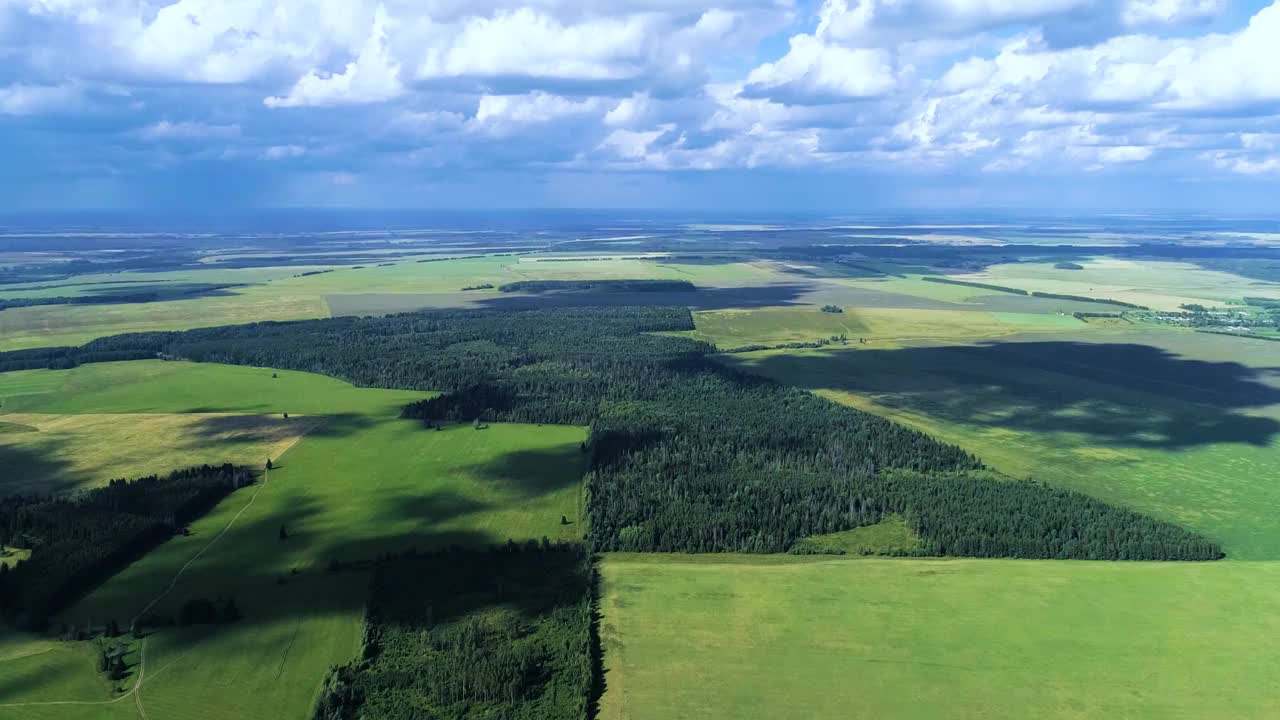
(253, 564)
(534, 473)
(704, 298)
(34, 463)
(28, 682)
(214, 430)
(1121, 395)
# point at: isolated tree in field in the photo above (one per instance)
(286, 416)
(274, 376)
(564, 520)
(476, 424)
(269, 465)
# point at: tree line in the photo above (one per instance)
(685, 454)
(618, 286)
(77, 542)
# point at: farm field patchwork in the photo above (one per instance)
(1179, 425)
(307, 292)
(879, 327)
(710, 637)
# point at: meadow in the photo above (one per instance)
(706, 637)
(69, 429)
(361, 484)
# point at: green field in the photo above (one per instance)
(157, 386)
(733, 637)
(362, 484)
(890, 536)
(55, 453)
(878, 327)
(62, 430)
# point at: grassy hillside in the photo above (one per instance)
(361, 484)
(708, 637)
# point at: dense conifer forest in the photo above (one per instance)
(685, 454)
(77, 542)
(505, 633)
(618, 286)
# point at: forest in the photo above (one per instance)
(684, 453)
(503, 633)
(76, 542)
(1085, 298)
(618, 286)
(982, 286)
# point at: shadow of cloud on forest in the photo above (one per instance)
(1122, 395)
(704, 298)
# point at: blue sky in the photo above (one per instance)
(738, 104)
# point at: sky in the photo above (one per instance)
(789, 105)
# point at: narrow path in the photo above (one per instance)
(135, 691)
(178, 576)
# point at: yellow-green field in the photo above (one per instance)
(727, 637)
(63, 430)
(49, 452)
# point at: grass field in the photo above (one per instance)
(707, 637)
(157, 386)
(53, 325)
(39, 670)
(62, 430)
(362, 483)
(890, 536)
(55, 453)
(879, 327)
